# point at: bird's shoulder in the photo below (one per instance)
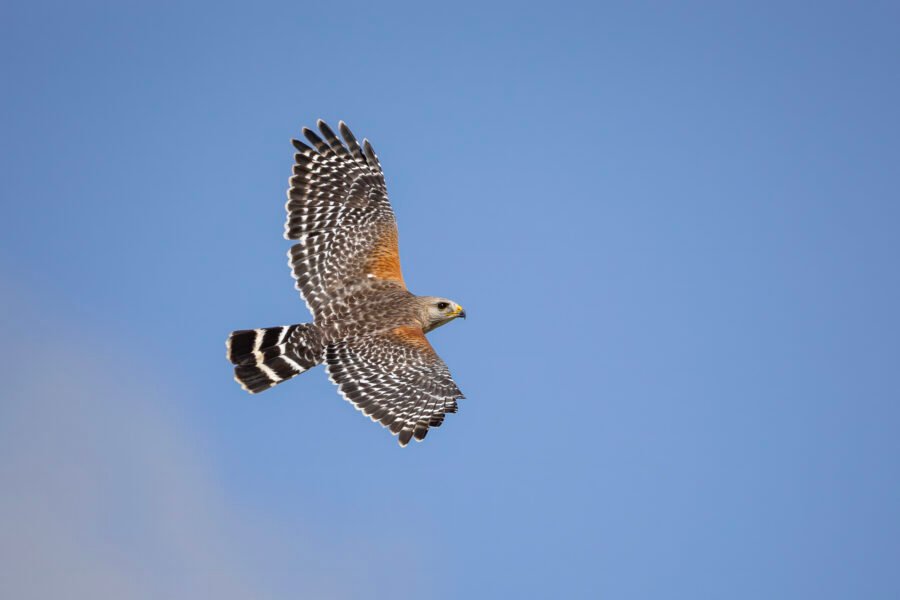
(368, 307)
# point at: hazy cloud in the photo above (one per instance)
(107, 496)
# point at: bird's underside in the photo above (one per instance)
(368, 329)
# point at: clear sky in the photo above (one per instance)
(675, 230)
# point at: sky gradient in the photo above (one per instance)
(674, 230)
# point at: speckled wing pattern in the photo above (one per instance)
(338, 211)
(396, 379)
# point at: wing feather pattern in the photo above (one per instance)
(396, 379)
(339, 213)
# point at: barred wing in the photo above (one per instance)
(339, 212)
(395, 378)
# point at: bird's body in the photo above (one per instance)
(368, 329)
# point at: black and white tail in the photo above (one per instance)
(263, 358)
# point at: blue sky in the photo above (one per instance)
(674, 229)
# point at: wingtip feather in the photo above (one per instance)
(404, 437)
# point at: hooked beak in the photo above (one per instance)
(460, 312)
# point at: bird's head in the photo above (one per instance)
(439, 311)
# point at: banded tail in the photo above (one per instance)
(264, 358)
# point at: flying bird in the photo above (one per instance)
(368, 329)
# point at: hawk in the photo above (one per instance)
(368, 329)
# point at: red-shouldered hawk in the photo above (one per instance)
(368, 329)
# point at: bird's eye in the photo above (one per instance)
(442, 305)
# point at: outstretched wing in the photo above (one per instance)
(395, 378)
(339, 212)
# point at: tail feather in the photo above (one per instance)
(263, 358)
